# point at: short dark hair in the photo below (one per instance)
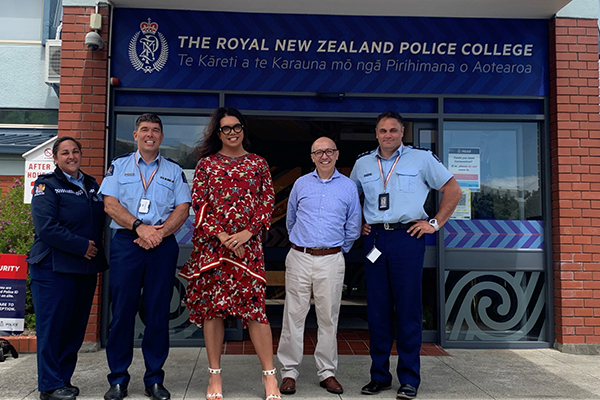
(389, 114)
(148, 117)
(212, 143)
(63, 139)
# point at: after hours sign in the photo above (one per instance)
(38, 161)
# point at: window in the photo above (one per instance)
(21, 20)
(28, 117)
(182, 135)
(498, 163)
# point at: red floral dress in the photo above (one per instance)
(228, 195)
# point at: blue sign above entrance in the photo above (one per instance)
(199, 50)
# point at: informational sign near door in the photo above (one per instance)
(38, 161)
(13, 281)
(464, 164)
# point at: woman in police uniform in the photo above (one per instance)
(66, 256)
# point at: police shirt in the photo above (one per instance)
(167, 189)
(416, 172)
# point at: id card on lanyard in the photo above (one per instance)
(384, 198)
(144, 207)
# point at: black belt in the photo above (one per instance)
(392, 226)
(317, 252)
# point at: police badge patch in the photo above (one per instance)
(39, 189)
(148, 49)
(110, 170)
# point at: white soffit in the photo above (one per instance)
(537, 9)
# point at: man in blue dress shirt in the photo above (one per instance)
(396, 180)
(323, 220)
(148, 199)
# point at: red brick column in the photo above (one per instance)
(575, 160)
(83, 108)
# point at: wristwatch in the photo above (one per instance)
(433, 222)
(135, 225)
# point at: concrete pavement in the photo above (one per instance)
(464, 374)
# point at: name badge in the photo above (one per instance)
(384, 201)
(373, 254)
(144, 206)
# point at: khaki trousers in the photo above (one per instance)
(324, 277)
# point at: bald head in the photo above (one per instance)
(324, 162)
(324, 140)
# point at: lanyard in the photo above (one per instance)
(386, 180)
(144, 183)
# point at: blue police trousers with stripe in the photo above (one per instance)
(147, 274)
(394, 303)
(62, 305)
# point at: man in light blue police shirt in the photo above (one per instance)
(395, 180)
(323, 219)
(148, 199)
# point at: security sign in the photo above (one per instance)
(13, 281)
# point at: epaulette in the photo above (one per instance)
(429, 150)
(173, 161)
(364, 154)
(419, 148)
(121, 156)
(46, 176)
(111, 167)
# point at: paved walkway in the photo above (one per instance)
(463, 374)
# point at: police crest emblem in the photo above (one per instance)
(148, 48)
(39, 189)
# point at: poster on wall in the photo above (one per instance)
(464, 164)
(13, 282)
(329, 54)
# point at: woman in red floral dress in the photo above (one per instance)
(233, 199)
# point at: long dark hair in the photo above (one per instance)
(212, 143)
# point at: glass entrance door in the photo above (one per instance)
(285, 144)
(495, 277)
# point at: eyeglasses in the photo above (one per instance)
(226, 130)
(319, 153)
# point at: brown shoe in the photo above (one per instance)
(288, 386)
(332, 385)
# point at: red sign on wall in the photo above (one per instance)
(13, 282)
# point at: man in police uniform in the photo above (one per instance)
(148, 199)
(395, 180)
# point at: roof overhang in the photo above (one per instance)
(21, 140)
(536, 9)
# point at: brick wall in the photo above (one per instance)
(83, 106)
(575, 160)
(6, 181)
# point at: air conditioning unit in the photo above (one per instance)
(53, 61)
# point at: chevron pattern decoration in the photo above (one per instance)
(494, 234)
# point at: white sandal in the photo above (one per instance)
(271, 396)
(214, 396)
